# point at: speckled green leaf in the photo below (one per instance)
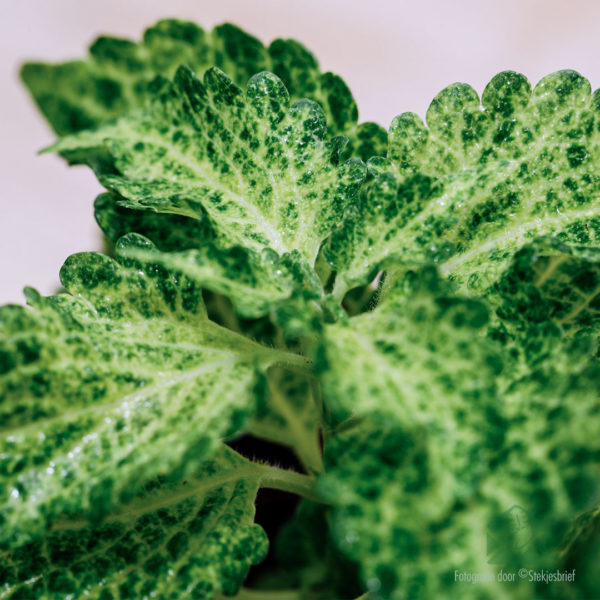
(480, 180)
(167, 232)
(263, 171)
(446, 437)
(407, 372)
(113, 80)
(418, 500)
(121, 379)
(420, 353)
(550, 281)
(178, 538)
(254, 282)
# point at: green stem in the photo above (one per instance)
(289, 359)
(304, 441)
(339, 289)
(289, 481)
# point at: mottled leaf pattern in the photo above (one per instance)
(179, 538)
(480, 180)
(255, 283)
(113, 80)
(453, 392)
(167, 232)
(421, 354)
(121, 379)
(263, 171)
(418, 499)
(550, 281)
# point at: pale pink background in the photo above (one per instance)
(394, 55)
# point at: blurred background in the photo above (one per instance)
(394, 55)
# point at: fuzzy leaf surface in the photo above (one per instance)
(189, 537)
(114, 78)
(263, 171)
(119, 380)
(479, 181)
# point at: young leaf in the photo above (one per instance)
(122, 379)
(191, 537)
(479, 181)
(113, 80)
(262, 171)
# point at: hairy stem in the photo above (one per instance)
(289, 359)
(288, 481)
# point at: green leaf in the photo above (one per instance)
(114, 79)
(553, 442)
(122, 379)
(419, 355)
(550, 281)
(167, 232)
(480, 180)
(440, 442)
(416, 501)
(179, 538)
(255, 283)
(405, 375)
(263, 172)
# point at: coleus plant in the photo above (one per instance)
(415, 314)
